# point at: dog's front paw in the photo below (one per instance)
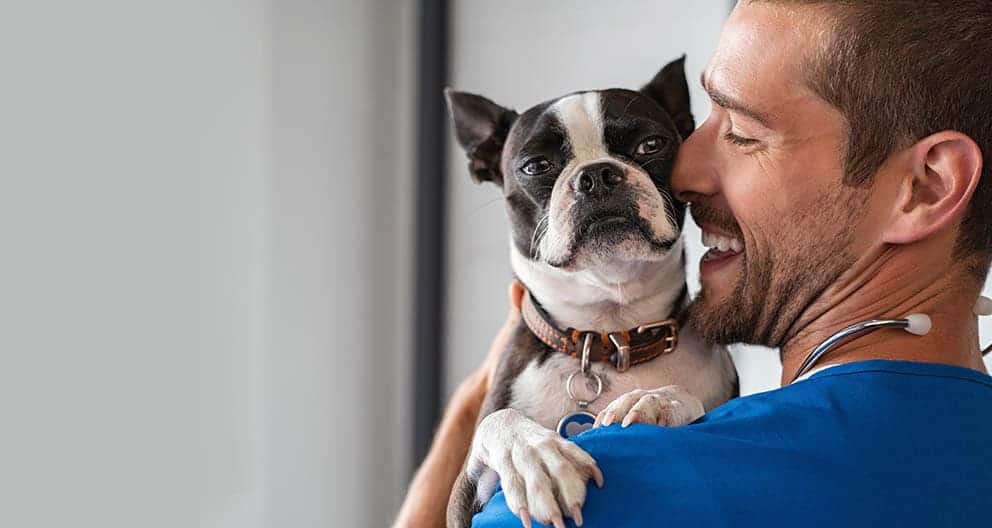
(670, 406)
(543, 475)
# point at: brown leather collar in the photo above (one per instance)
(622, 349)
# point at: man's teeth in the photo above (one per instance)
(722, 243)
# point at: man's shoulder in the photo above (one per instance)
(849, 401)
(910, 429)
(880, 429)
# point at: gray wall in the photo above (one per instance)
(205, 216)
(339, 187)
(521, 52)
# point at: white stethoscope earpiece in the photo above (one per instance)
(918, 324)
(984, 306)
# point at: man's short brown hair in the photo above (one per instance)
(900, 70)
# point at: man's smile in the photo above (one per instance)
(723, 250)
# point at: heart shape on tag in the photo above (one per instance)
(575, 428)
(575, 423)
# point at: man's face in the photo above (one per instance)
(764, 177)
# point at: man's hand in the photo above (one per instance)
(427, 497)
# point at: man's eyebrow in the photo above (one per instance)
(725, 101)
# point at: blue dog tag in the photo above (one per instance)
(575, 423)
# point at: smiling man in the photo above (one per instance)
(845, 169)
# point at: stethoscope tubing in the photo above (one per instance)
(982, 307)
(844, 335)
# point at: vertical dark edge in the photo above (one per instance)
(431, 231)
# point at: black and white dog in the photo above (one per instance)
(596, 242)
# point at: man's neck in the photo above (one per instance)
(895, 282)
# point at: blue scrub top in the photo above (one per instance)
(872, 443)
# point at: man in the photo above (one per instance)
(849, 150)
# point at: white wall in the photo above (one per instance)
(519, 53)
(195, 254)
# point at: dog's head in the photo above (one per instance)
(587, 176)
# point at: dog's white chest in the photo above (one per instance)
(539, 390)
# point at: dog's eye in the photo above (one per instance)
(536, 166)
(651, 145)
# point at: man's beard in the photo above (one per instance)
(772, 291)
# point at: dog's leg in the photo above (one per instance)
(543, 475)
(670, 406)
(475, 485)
(462, 504)
(468, 496)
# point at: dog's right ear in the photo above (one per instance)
(481, 127)
(670, 89)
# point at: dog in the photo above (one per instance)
(595, 240)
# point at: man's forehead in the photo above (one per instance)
(761, 56)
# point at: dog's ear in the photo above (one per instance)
(481, 127)
(670, 90)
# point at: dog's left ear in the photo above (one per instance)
(670, 89)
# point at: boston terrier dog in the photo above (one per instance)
(595, 242)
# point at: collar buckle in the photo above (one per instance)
(622, 344)
(671, 340)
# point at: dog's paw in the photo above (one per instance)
(670, 406)
(543, 475)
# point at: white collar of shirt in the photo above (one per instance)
(814, 371)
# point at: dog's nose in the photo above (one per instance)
(598, 179)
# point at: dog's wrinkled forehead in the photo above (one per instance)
(584, 126)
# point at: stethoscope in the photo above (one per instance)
(917, 324)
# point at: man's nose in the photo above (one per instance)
(696, 170)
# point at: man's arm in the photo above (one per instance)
(427, 497)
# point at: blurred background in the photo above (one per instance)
(243, 263)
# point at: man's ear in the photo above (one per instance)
(942, 171)
(670, 89)
(481, 127)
